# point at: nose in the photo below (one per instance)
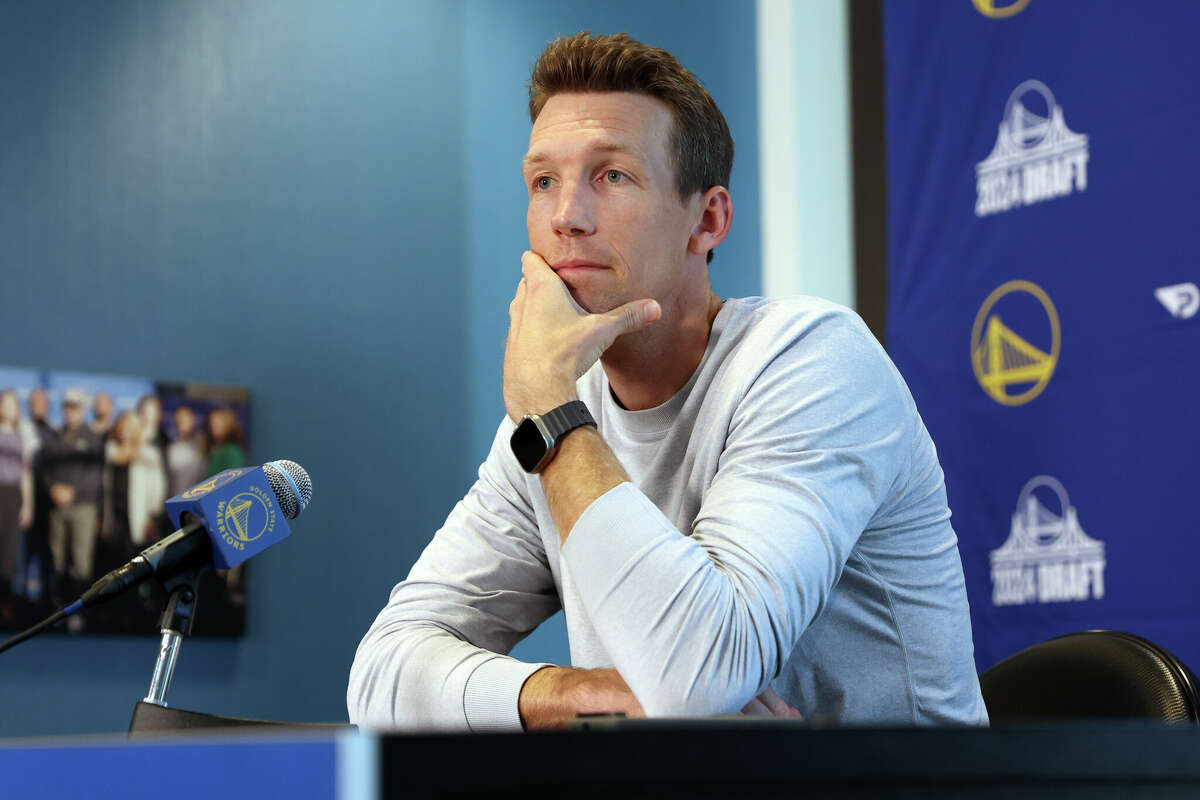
(573, 213)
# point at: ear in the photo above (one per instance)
(716, 215)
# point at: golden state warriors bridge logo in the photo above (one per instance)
(1000, 9)
(245, 517)
(214, 483)
(1015, 343)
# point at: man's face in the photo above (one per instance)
(603, 208)
(73, 414)
(10, 410)
(102, 406)
(185, 421)
(39, 404)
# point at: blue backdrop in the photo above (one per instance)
(1043, 180)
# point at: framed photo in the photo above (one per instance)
(86, 462)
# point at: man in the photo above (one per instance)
(39, 411)
(755, 521)
(74, 467)
(41, 439)
(186, 461)
(102, 413)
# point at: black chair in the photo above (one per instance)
(1092, 674)
(154, 720)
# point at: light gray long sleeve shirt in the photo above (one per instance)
(785, 525)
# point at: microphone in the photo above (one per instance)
(222, 521)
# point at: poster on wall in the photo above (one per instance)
(86, 463)
(1042, 303)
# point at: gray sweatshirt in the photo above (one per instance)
(786, 526)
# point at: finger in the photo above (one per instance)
(533, 265)
(772, 700)
(631, 317)
(777, 704)
(756, 708)
(517, 303)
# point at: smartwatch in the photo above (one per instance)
(536, 438)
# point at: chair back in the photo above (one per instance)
(1091, 674)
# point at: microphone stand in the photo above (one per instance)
(175, 623)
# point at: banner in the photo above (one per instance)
(1043, 187)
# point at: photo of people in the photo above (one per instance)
(87, 462)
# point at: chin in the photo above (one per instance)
(591, 301)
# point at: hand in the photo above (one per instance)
(553, 696)
(770, 704)
(62, 494)
(552, 341)
(25, 517)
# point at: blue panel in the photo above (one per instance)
(1042, 183)
(179, 769)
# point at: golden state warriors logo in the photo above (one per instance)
(1008, 365)
(215, 482)
(245, 517)
(999, 9)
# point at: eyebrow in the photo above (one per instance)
(533, 159)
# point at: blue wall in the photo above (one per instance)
(319, 201)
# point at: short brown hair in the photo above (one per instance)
(699, 140)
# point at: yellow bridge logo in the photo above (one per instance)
(213, 483)
(1008, 367)
(999, 9)
(245, 517)
(201, 489)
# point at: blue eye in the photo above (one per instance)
(613, 176)
(542, 183)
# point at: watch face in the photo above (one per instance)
(528, 445)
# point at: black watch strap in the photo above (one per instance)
(566, 418)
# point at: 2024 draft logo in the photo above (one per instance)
(1036, 156)
(1047, 557)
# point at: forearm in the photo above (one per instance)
(422, 677)
(431, 658)
(27, 490)
(583, 469)
(613, 565)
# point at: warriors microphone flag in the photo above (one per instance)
(239, 510)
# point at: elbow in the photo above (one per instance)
(362, 704)
(722, 684)
(720, 674)
(700, 699)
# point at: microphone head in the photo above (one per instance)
(291, 484)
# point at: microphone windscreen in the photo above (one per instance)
(291, 484)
